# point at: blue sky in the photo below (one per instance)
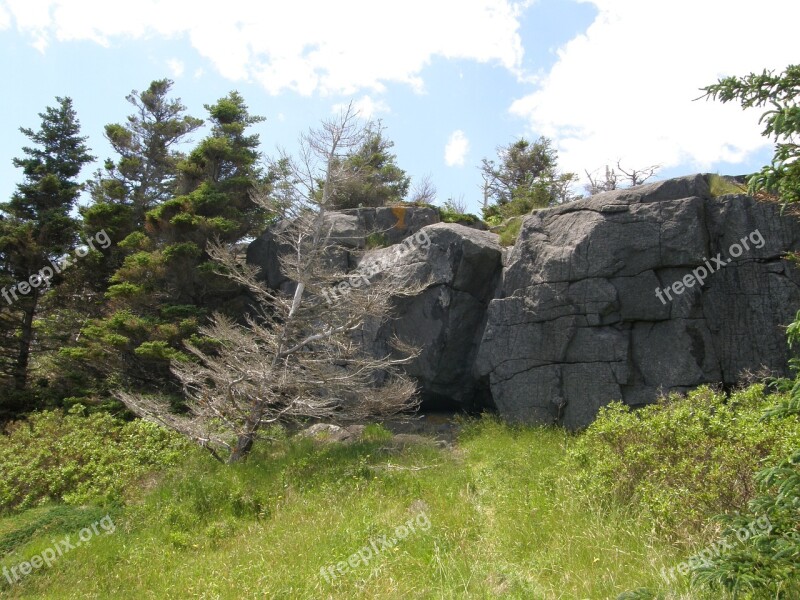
(451, 80)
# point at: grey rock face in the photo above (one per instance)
(577, 322)
(461, 267)
(569, 319)
(393, 223)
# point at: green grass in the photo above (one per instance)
(506, 521)
(510, 231)
(721, 186)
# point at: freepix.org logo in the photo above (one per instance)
(60, 547)
(699, 275)
(57, 266)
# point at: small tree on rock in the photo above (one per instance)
(524, 177)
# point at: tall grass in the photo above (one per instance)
(506, 521)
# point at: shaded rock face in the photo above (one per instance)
(461, 268)
(577, 322)
(622, 296)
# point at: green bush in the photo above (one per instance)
(452, 216)
(77, 459)
(377, 240)
(766, 564)
(697, 452)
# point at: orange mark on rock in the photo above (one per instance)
(400, 213)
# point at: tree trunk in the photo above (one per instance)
(244, 444)
(25, 342)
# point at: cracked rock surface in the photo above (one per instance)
(576, 321)
(461, 268)
(569, 319)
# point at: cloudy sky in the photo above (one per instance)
(451, 80)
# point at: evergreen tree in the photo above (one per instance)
(37, 227)
(378, 180)
(144, 175)
(166, 285)
(525, 177)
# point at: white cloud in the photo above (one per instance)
(366, 107)
(307, 46)
(176, 67)
(5, 18)
(455, 152)
(624, 89)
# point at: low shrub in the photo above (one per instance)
(698, 452)
(78, 458)
(450, 216)
(766, 564)
(377, 240)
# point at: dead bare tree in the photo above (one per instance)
(612, 180)
(298, 355)
(456, 205)
(424, 191)
(638, 176)
(596, 185)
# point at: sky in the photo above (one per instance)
(451, 80)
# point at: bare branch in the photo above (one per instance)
(638, 176)
(297, 356)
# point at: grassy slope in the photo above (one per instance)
(504, 523)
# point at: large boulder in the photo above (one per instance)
(388, 224)
(632, 293)
(460, 267)
(622, 296)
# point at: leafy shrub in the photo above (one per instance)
(377, 240)
(494, 220)
(451, 216)
(766, 564)
(78, 459)
(698, 453)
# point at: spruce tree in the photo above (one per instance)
(37, 227)
(378, 180)
(166, 285)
